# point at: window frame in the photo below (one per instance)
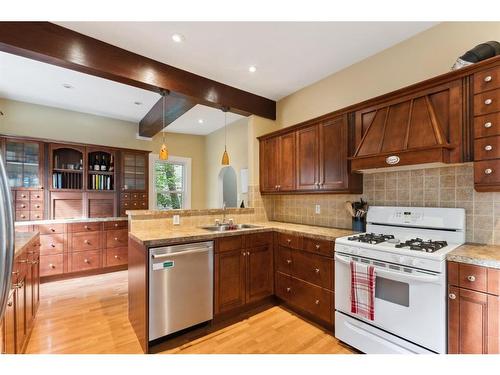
(186, 194)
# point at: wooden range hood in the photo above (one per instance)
(422, 128)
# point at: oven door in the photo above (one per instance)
(409, 303)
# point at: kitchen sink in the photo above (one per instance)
(226, 227)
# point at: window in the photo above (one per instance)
(169, 184)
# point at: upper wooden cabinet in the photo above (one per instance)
(310, 157)
(423, 127)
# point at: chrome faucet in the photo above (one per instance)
(229, 221)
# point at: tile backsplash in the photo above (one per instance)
(450, 186)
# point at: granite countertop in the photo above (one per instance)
(22, 240)
(180, 234)
(68, 221)
(478, 254)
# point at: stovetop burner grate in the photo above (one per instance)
(371, 238)
(419, 244)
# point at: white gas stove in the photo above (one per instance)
(408, 247)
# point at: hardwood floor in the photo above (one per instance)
(89, 315)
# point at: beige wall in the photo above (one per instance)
(237, 148)
(425, 55)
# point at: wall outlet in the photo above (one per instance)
(317, 209)
(176, 220)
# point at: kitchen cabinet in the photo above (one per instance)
(243, 270)
(473, 309)
(311, 157)
(277, 167)
(23, 301)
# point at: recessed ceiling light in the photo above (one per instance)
(67, 86)
(178, 38)
(200, 121)
(252, 68)
(138, 103)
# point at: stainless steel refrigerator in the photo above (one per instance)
(6, 240)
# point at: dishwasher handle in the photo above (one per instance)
(184, 252)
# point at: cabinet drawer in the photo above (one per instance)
(229, 243)
(116, 238)
(313, 299)
(143, 205)
(284, 260)
(125, 196)
(284, 287)
(50, 228)
(36, 215)
(487, 80)
(84, 227)
(318, 246)
(85, 260)
(289, 240)
(473, 277)
(487, 172)
(315, 269)
(116, 256)
(85, 241)
(22, 215)
(36, 206)
(121, 224)
(36, 196)
(22, 196)
(487, 102)
(258, 239)
(487, 125)
(52, 243)
(487, 148)
(22, 206)
(143, 196)
(51, 265)
(134, 196)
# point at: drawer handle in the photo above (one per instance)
(116, 238)
(452, 296)
(488, 171)
(288, 240)
(23, 206)
(23, 196)
(52, 229)
(487, 79)
(288, 290)
(316, 270)
(244, 253)
(316, 302)
(22, 216)
(52, 266)
(471, 278)
(487, 125)
(117, 257)
(116, 225)
(86, 227)
(86, 261)
(52, 245)
(9, 303)
(317, 247)
(488, 147)
(488, 101)
(289, 261)
(86, 242)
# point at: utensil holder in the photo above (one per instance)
(358, 224)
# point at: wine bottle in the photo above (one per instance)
(96, 164)
(111, 164)
(103, 164)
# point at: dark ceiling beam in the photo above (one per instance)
(175, 106)
(53, 44)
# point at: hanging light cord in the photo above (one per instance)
(225, 130)
(163, 116)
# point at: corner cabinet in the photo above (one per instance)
(473, 309)
(309, 157)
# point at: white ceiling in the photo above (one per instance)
(212, 118)
(288, 55)
(35, 82)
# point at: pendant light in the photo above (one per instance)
(163, 148)
(225, 156)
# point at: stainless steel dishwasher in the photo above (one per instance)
(180, 287)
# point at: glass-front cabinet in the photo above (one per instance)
(23, 164)
(134, 184)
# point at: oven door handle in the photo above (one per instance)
(399, 275)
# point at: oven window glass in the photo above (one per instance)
(392, 291)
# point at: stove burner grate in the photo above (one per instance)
(419, 244)
(371, 238)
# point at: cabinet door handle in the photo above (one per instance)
(487, 125)
(288, 290)
(452, 296)
(488, 101)
(487, 79)
(317, 247)
(52, 245)
(316, 270)
(9, 303)
(488, 147)
(116, 238)
(86, 261)
(288, 240)
(116, 225)
(316, 302)
(471, 278)
(244, 253)
(488, 171)
(86, 242)
(289, 261)
(52, 266)
(116, 257)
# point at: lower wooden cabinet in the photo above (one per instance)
(473, 309)
(23, 301)
(243, 275)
